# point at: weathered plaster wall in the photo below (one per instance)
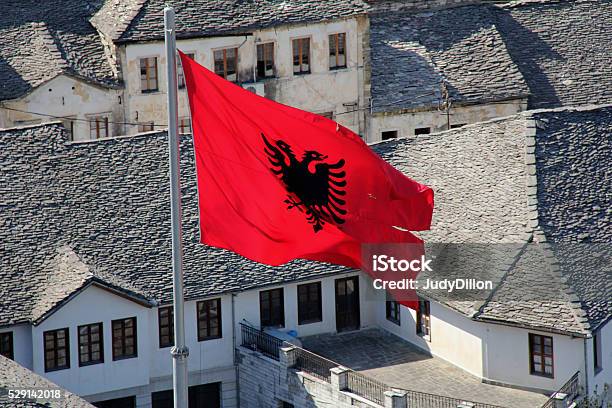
(320, 91)
(406, 123)
(65, 96)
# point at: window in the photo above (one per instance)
(597, 352)
(184, 125)
(226, 63)
(301, 56)
(146, 127)
(69, 126)
(284, 404)
(393, 310)
(422, 131)
(6, 345)
(265, 60)
(166, 326)
(126, 402)
(389, 134)
(458, 125)
(91, 344)
(309, 303)
(180, 74)
(162, 399)
(541, 355)
(124, 338)
(98, 127)
(148, 75)
(57, 349)
(209, 319)
(337, 51)
(271, 308)
(423, 320)
(205, 395)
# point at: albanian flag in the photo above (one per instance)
(276, 183)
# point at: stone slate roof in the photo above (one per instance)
(15, 376)
(41, 40)
(76, 213)
(555, 51)
(412, 54)
(562, 49)
(213, 17)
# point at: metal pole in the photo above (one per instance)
(179, 351)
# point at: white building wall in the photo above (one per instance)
(406, 123)
(91, 306)
(22, 343)
(65, 96)
(506, 351)
(597, 380)
(321, 91)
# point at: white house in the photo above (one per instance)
(86, 275)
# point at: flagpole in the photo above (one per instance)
(179, 352)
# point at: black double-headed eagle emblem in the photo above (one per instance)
(313, 186)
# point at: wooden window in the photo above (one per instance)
(57, 349)
(272, 308)
(265, 60)
(389, 134)
(91, 344)
(337, 51)
(422, 131)
(162, 399)
(124, 338)
(226, 63)
(209, 319)
(166, 326)
(98, 127)
(6, 345)
(423, 320)
(184, 125)
(309, 303)
(181, 74)
(69, 126)
(148, 75)
(301, 56)
(541, 355)
(146, 127)
(393, 310)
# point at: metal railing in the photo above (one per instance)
(424, 400)
(313, 364)
(571, 388)
(260, 341)
(367, 387)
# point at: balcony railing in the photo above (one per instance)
(260, 341)
(313, 364)
(571, 388)
(425, 400)
(367, 387)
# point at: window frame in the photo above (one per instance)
(263, 44)
(148, 126)
(170, 334)
(268, 322)
(597, 354)
(181, 125)
(336, 53)
(124, 356)
(301, 55)
(542, 355)
(180, 74)
(89, 343)
(148, 78)
(209, 319)
(423, 319)
(393, 310)
(396, 131)
(422, 131)
(225, 49)
(56, 349)
(97, 119)
(11, 345)
(304, 315)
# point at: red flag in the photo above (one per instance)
(276, 183)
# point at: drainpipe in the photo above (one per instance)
(234, 351)
(586, 367)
